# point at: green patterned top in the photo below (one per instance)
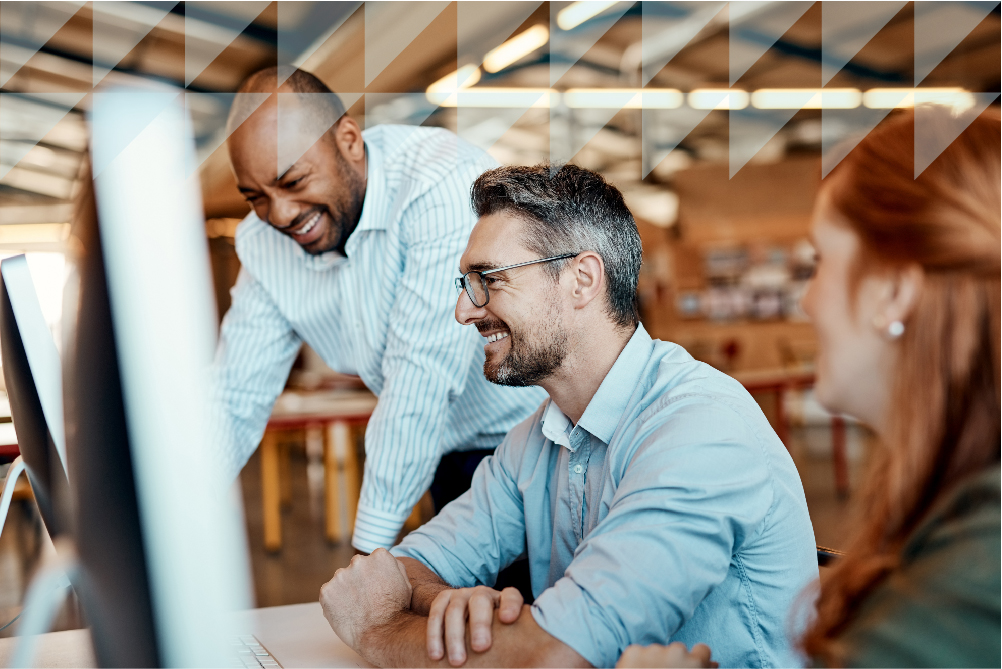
(941, 607)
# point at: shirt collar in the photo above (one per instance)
(604, 411)
(556, 426)
(375, 204)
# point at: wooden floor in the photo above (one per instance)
(307, 560)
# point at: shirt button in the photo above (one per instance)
(578, 469)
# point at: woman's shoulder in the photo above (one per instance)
(941, 606)
(965, 516)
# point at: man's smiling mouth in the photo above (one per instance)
(310, 224)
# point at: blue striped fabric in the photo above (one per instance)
(385, 312)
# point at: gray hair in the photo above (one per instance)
(568, 209)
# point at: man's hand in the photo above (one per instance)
(365, 594)
(672, 655)
(450, 610)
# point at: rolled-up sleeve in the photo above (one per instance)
(693, 492)
(481, 532)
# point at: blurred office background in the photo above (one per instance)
(714, 119)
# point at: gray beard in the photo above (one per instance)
(525, 365)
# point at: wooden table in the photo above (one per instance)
(778, 381)
(327, 415)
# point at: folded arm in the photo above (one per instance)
(425, 585)
(368, 605)
(400, 642)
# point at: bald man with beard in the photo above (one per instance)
(352, 247)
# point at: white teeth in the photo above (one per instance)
(309, 226)
(496, 337)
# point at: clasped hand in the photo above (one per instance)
(450, 611)
(365, 594)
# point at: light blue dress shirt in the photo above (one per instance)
(384, 311)
(670, 512)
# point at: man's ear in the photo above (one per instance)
(588, 272)
(348, 137)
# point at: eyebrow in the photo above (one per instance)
(481, 267)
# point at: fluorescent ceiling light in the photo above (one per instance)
(464, 77)
(500, 97)
(718, 98)
(576, 13)
(806, 98)
(904, 98)
(516, 48)
(623, 98)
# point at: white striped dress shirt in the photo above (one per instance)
(383, 311)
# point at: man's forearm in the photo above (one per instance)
(425, 585)
(401, 642)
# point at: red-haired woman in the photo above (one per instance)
(905, 302)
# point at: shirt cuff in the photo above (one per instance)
(375, 529)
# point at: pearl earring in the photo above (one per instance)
(895, 329)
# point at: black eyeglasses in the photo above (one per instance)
(476, 286)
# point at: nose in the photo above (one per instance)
(282, 211)
(468, 313)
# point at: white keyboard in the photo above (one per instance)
(250, 653)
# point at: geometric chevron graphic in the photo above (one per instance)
(575, 27)
(303, 118)
(119, 117)
(843, 129)
(34, 116)
(847, 26)
(390, 27)
(940, 27)
(755, 27)
(483, 26)
(119, 27)
(751, 129)
(567, 138)
(26, 26)
(210, 111)
(304, 26)
(228, 18)
(934, 130)
(666, 27)
(664, 130)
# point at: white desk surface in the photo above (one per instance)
(296, 635)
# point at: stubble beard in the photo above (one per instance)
(527, 364)
(343, 215)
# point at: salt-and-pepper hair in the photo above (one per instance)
(568, 209)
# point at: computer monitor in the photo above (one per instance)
(162, 553)
(31, 371)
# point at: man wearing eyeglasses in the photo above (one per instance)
(652, 498)
(351, 247)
